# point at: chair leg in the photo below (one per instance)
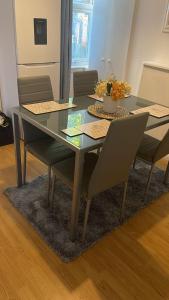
(53, 188)
(24, 165)
(166, 174)
(98, 150)
(123, 202)
(149, 180)
(49, 182)
(134, 163)
(86, 218)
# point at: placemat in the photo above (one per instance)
(95, 130)
(47, 107)
(155, 110)
(72, 131)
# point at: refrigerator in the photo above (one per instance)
(38, 26)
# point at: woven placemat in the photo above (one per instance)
(97, 111)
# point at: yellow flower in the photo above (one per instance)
(119, 88)
(101, 88)
(127, 88)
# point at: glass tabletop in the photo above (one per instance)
(53, 123)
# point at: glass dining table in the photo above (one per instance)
(53, 124)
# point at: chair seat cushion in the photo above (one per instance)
(65, 169)
(148, 148)
(49, 151)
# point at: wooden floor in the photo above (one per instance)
(131, 263)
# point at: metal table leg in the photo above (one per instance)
(79, 162)
(16, 131)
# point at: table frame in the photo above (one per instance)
(17, 115)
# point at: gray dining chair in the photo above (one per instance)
(34, 89)
(152, 150)
(84, 82)
(42, 146)
(111, 167)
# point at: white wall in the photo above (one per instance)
(8, 72)
(148, 42)
(112, 22)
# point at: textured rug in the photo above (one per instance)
(53, 225)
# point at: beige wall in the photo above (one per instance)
(148, 42)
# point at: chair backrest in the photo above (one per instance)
(34, 89)
(84, 82)
(118, 152)
(163, 148)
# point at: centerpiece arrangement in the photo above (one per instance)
(112, 91)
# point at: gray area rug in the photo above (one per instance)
(53, 225)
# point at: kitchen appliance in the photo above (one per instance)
(38, 39)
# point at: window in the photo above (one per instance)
(81, 30)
